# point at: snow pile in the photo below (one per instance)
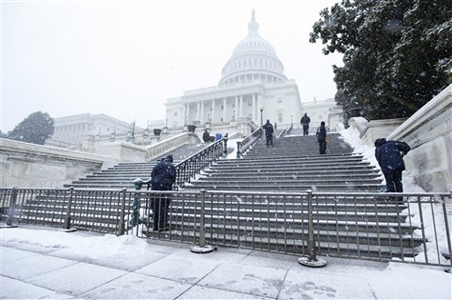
(351, 137)
(433, 214)
(108, 249)
(232, 144)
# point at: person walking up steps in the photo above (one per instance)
(322, 138)
(268, 127)
(305, 120)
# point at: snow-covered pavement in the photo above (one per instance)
(46, 263)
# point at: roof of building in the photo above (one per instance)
(253, 55)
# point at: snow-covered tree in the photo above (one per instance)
(397, 53)
(35, 128)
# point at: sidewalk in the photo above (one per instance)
(86, 265)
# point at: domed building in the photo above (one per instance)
(252, 89)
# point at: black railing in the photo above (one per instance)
(247, 142)
(283, 133)
(189, 167)
(411, 228)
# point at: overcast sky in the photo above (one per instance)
(125, 58)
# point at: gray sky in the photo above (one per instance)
(125, 58)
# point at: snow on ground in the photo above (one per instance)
(232, 144)
(54, 264)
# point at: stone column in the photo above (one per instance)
(224, 109)
(213, 111)
(241, 106)
(202, 112)
(197, 110)
(254, 107)
(236, 109)
(184, 114)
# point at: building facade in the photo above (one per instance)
(252, 85)
(74, 129)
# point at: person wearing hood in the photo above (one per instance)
(268, 127)
(390, 159)
(163, 177)
(322, 138)
(206, 136)
(304, 121)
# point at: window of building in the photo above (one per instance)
(175, 113)
(280, 117)
(279, 100)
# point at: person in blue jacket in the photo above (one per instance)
(390, 159)
(163, 177)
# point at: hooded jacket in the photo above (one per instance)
(388, 154)
(268, 127)
(163, 175)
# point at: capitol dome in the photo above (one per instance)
(253, 58)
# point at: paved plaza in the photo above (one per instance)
(163, 270)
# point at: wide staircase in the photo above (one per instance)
(349, 223)
(259, 201)
(122, 175)
(293, 164)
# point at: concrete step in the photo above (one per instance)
(245, 162)
(290, 169)
(280, 182)
(285, 187)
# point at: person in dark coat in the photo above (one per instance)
(321, 138)
(268, 127)
(391, 162)
(163, 177)
(305, 120)
(206, 136)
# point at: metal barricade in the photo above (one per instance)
(401, 227)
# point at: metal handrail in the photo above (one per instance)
(412, 227)
(283, 133)
(189, 167)
(248, 141)
(290, 129)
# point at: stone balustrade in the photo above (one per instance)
(429, 134)
(153, 151)
(30, 165)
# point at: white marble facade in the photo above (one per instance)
(74, 129)
(252, 83)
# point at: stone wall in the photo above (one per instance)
(30, 165)
(429, 134)
(124, 152)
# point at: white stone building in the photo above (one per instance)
(252, 85)
(74, 129)
(326, 111)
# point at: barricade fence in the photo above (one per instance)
(410, 228)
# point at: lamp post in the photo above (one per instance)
(291, 120)
(262, 120)
(133, 131)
